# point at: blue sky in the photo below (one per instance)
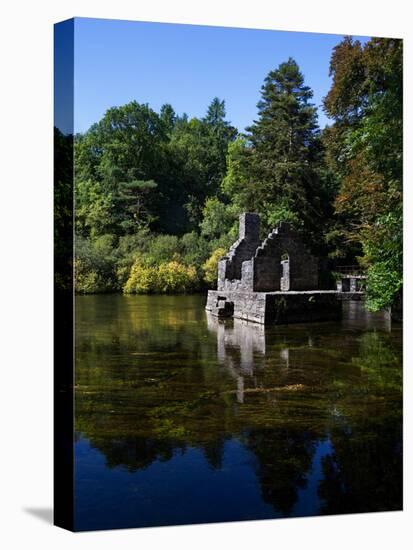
(187, 65)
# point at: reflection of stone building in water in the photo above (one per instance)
(248, 338)
(240, 346)
(270, 281)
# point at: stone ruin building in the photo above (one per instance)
(271, 281)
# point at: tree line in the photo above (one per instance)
(158, 195)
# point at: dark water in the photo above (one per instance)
(184, 419)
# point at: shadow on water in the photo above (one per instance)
(182, 418)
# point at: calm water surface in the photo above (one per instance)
(184, 419)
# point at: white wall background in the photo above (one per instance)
(26, 272)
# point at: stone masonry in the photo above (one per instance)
(270, 281)
(252, 265)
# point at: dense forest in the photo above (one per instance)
(158, 195)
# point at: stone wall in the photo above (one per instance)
(303, 266)
(302, 307)
(270, 282)
(230, 267)
(250, 306)
(252, 265)
(276, 307)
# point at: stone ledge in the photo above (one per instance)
(277, 307)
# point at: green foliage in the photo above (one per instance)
(168, 117)
(163, 248)
(93, 208)
(149, 169)
(285, 144)
(95, 265)
(383, 250)
(236, 185)
(366, 101)
(107, 264)
(131, 200)
(276, 213)
(218, 218)
(199, 149)
(194, 248)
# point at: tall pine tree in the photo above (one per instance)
(285, 152)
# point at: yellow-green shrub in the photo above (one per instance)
(167, 277)
(175, 277)
(141, 279)
(210, 267)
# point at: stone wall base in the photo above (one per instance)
(276, 307)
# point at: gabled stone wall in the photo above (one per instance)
(303, 266)
(252, 265)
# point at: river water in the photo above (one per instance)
(183, 419)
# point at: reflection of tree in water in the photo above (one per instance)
(214, 452)
(284, 458)
(135, 453)
(365, 471)
(379, 360)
